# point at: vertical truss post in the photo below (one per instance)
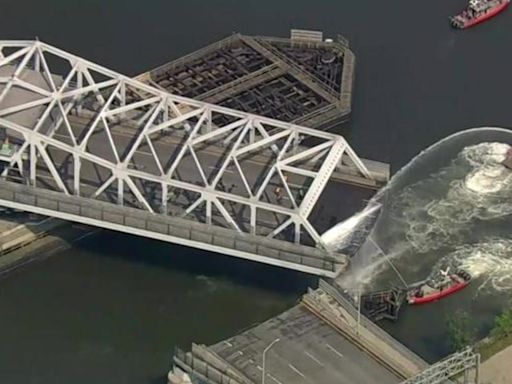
(77, 165)
(120, 191)
(208, 212)
(122, 95)
(253, 219)
(297, 232)
(37, 63)
(165, 197)
(252, 134)
(32, 164)
(208, 120)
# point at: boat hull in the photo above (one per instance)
(493, 12)
(438, 295)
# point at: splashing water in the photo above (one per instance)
(474, 187)
(489, 263)
(457, 216)
(342, 234)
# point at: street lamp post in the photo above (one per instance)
(263, 363)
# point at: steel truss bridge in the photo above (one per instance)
(87, 144)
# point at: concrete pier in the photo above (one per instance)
(318, 341)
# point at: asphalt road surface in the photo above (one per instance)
(309, 352)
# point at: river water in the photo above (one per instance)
(111, 309)
(449, 209)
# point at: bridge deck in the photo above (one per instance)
(92, 135)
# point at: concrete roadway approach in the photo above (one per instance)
(309, 351)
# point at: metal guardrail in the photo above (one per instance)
(349, 305)
(446, 369)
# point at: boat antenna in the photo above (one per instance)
(390, 262)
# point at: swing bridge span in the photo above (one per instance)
(83, 143)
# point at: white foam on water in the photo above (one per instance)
(489, 263)
(486, 180)
(442, 213)
(485, 153)
(483, 193)
(488, 174)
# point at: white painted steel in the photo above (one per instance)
(171, 239)
(116, 98)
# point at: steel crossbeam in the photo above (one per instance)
(85, 130)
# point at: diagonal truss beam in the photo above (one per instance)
(139, 116)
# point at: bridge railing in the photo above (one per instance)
(168, 228)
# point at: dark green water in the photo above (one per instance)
(112, 309)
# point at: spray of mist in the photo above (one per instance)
(457, 217)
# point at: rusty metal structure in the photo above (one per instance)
(305, 79)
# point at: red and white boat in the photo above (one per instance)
(434, 290)
(477, 12)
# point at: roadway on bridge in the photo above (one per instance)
(328, 209)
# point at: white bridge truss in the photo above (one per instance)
(72, 126)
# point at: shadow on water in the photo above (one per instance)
(193, 262)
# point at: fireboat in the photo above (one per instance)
(429, 291)
(477, 12)
(386, 304)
